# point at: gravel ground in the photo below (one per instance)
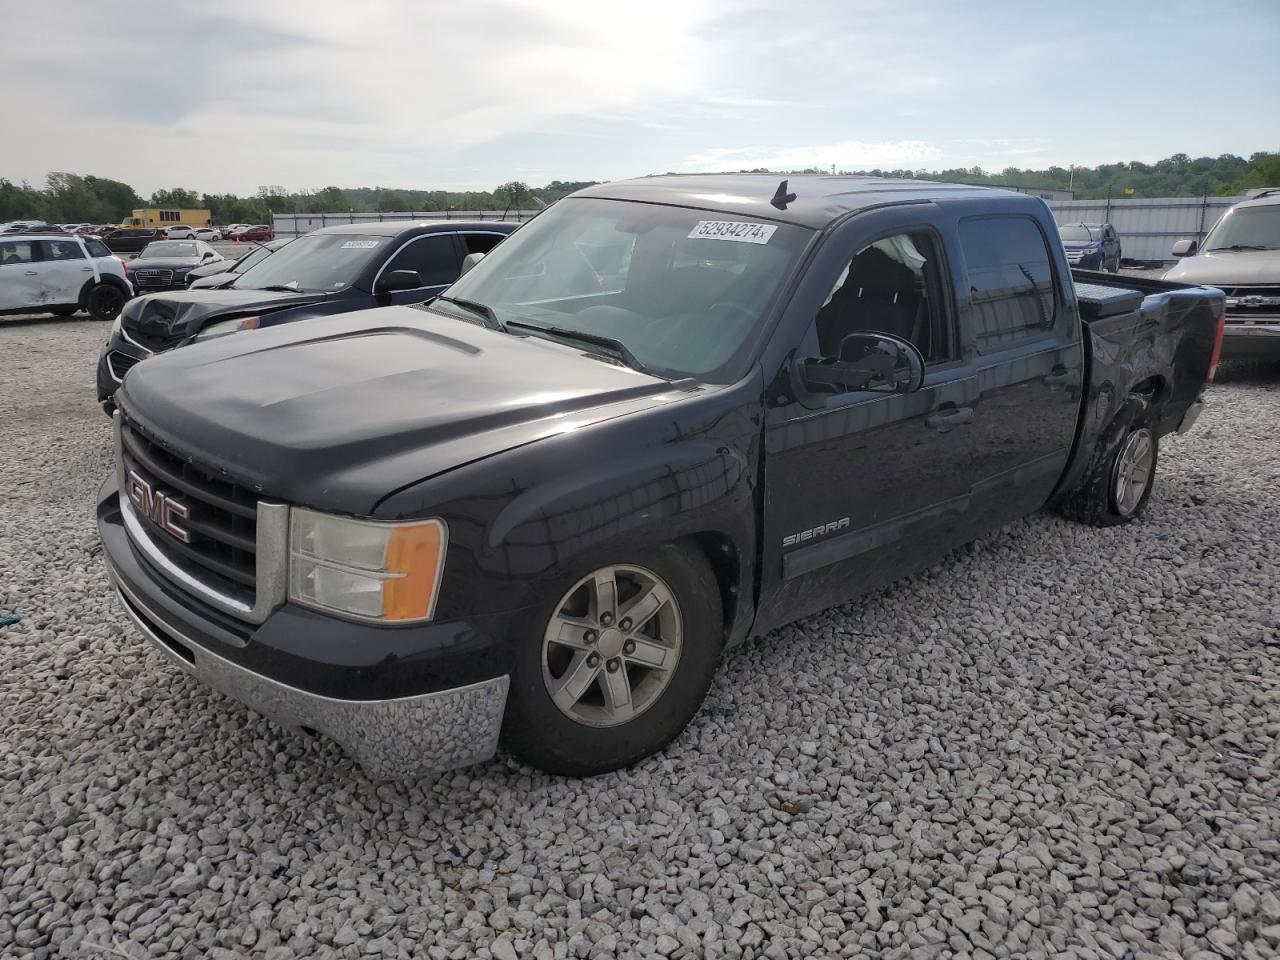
(1060, 742)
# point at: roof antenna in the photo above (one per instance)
(782, 198)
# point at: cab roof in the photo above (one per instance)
(820, 199)
(393, 228)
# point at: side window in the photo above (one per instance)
(16, 252)
(1010, 280)
(481, 242)
(891, 286)
(61, 250)
(97, 248)
(434, 257)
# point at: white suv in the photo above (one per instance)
(181, 232)
(60, 274)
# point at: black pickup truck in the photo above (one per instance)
(666, 415)
(331, 270)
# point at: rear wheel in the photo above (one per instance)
(105, 301)
(616, 667)
(1121, 474)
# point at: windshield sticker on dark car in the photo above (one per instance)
(360, 244)
(732, 230)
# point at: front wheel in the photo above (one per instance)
(105, 302)
(616, 667)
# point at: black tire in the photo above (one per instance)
(68, 311)
(1096, 498)
(105, 301)
(539, 733)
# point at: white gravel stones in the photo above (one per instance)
(1060, 742)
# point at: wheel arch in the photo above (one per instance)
(110, 278)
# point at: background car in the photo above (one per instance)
(164, 264)
(232, 230)
(180, 231)
(212, 276)
(1091, 246)
(131, 239)
(331, 270)
(60, 274)
(259, 232)
(1241, 257)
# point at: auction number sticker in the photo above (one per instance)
(360, 244)
(734, 230)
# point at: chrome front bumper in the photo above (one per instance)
(390, 739)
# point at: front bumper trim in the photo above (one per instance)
(391, 739)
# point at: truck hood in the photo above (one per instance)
(341, 411)
(164, 319)
(1228, 268)
(1080, 244)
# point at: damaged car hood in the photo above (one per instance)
(165, 319)
(342, 410)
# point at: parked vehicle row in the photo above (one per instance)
(664, 416)
(1091, 246)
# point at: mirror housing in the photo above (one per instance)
(469, 261)
(876, 362)
(1185, 248)
(394, 280)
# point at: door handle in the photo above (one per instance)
(86, 269)
(949, 416)
(32, 273)
(1058, 376)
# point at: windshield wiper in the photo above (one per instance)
(277, 287)
(609, 343)
(482, 309)
(1242, 246)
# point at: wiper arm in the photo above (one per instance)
(617, 346)
(279, 288)
(1241, 246)
(482, 309)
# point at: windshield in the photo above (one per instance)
(1077, 231)
(169, 248)
(1250, 228)
(682, 290)
(254, 258)
(318, 262)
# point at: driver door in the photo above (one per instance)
(863, 487)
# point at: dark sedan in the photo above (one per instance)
(164, 264)
(333, 270)
(131, 239)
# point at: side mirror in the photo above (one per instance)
(469, 261)
(394, 280)
(868, 361)
(209, 255)
(1184, 248)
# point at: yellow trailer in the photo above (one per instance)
(156, 218)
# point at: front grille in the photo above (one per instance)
(1260, 301)
(1073, 256)
(153, 278)
(120, 363)
(222, 519)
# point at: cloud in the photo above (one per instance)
(847, 155)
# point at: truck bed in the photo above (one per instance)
(1141, 336)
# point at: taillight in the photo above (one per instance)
(124, 263)
(1217, 347)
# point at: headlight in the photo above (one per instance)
(388, 572)
(115, 328)
(223, 327)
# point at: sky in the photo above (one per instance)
(226, 96)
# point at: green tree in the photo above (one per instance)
(176, 197)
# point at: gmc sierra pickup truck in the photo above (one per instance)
(666, 415)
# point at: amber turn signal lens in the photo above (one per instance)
(415, 560)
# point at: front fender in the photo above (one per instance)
(520, 520)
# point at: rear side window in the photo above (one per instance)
(435, 258)
(481, 242)
(97, 248)
(1010, 280)
(17, 251)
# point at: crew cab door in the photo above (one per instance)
(861, 487)
(1017, 301)
(19, 274)
(435, 257)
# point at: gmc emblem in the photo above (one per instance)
(157, 507)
